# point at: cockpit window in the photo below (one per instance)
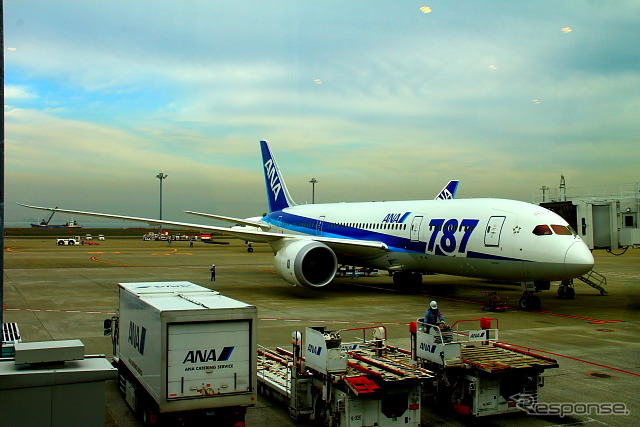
(542, 230)
(562, 230)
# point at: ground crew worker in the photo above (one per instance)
(432, 315)
(213, 272)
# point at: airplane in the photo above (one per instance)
(494, 239)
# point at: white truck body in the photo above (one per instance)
(189, 347)
(67, 241)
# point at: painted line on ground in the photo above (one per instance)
(587, 319)
(95, 258)
(51, 310)
(576, 359)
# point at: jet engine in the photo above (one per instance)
(306, 262)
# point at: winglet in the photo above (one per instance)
(449, 190)
(277, 193)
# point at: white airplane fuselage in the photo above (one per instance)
(488, 238)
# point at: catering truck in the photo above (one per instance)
(184, 352)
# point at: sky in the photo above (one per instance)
(377, 100)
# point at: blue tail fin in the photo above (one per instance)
(449, 190)
(277, 193)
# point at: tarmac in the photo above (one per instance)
(65, 292)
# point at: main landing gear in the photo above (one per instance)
(407, 279)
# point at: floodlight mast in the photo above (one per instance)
(161, 177)
(313, 183)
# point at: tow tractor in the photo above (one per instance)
(339, 383)
(476, 374)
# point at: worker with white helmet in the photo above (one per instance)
(433, 315)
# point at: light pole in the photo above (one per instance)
(161, 176)
(313, 190)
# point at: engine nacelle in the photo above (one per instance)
(306, 262)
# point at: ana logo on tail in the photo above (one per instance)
(272, 178)
(449, 191)
(275, 185)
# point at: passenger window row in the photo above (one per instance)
(370, 226)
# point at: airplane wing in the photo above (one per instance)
(346, 247)
(241, 221)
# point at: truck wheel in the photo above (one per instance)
(71, 243)
(60, 243)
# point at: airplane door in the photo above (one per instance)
(319, 225)
(415, 228)
(493, 230)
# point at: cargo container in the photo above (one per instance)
(184, 351)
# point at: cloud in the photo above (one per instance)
(16, 92)
(89, 165)
(106, 99)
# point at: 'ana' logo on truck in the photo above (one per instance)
(137, 335)
(428, 347)
(274, 181)
(207, 355)
(314, 349)
(477, 335)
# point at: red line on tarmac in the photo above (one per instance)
(332, 321)
(579, 318)
(594, 321)
(576, 359)
(416, 293)
(95, 258)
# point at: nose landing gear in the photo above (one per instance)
(566, 290)
(529, 301)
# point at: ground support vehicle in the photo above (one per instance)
(184, 352)
(476, 374)
(494, 302)
(165, 236)
(67, 241)
(340, 383)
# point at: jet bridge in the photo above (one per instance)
(605, 218)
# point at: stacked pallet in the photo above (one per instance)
(497, 358)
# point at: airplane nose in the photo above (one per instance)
(578, 260)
